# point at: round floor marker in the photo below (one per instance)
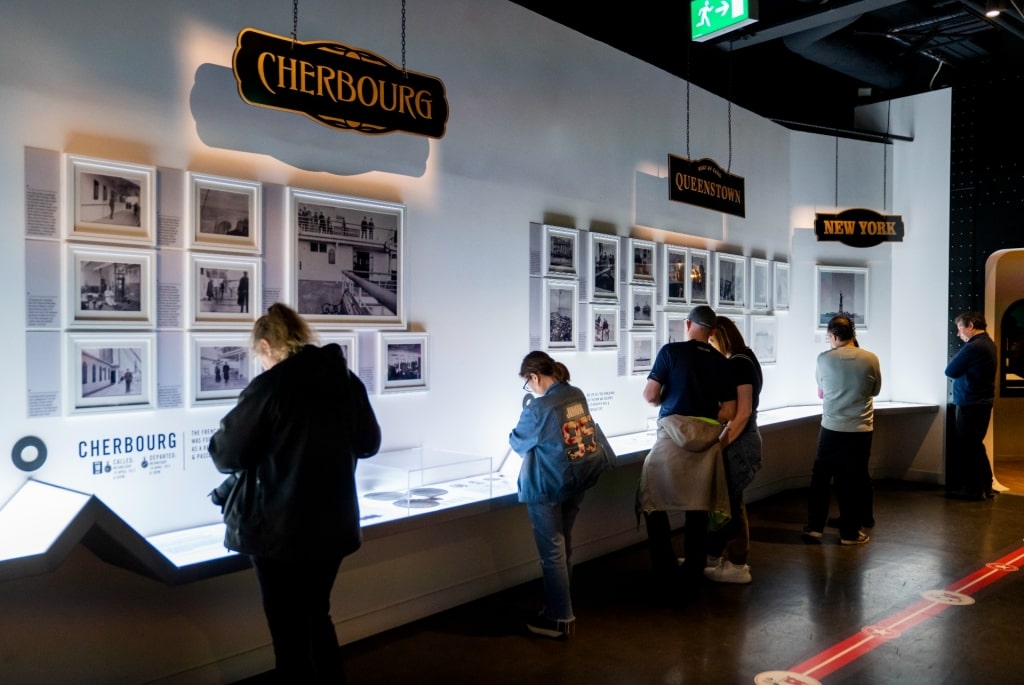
(784, 678)
(948, 597)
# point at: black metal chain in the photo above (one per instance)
(837, 172)
(885, 160)
(728, 167)
(688, 100)
(295, 21)
(404, 72)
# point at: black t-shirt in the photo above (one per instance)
(746, 370)
(695, 379)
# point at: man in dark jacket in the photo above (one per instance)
(973, 370)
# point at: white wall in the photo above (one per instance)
(545, 126)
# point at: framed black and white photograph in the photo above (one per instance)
(111, 372)
(403, 358)
(780, 286)
(349, 263)
(841, 290)
(675, 275)
(698, 289)
(110, 201)
(349, 344)
(110, 288)
(604, 323)
(759, 284)
(640, 307)
(557, 250)
(225, 213)
(561, 309)
(673, 327)
(225, 291)
(640, 353)
(222, 365)
(763, 340)
(730, 281)
(640, 261)
(602, 269)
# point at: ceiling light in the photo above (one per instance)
(993, 8)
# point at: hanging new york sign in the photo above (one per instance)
(859, 227)
(337, 85)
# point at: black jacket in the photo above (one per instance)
(292, 441)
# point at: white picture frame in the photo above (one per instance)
(221, 365)
(558, 251)
(349, 344)
(604, 323)
(698, 288)
(110, 288)
(641, 351)
(225, 290)
(640, 261)
(841, 290)
(730, 281)
(110, 372)
(764, 336)
(560, 314)
(760, 284)
(675, 275)
(640, 307)
(225, 213)
(673, 327)
(109, 201)
(780, 286)
(603, 268)
(404, 362)
(348, 269)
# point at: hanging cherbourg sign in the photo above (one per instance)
(859, 227)
(338, 86)
(705, 184)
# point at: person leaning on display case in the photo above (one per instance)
(291, 446)
(564, 452)
(741, 447)
(692, 384)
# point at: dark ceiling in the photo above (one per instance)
(808, 63)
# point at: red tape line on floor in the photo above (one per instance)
(868, 638)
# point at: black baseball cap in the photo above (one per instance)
(703, 315)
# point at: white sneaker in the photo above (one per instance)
(728, 572)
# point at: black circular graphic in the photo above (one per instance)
(18, 452)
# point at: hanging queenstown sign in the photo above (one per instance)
(338, 86)
(705, 184)
(859, 227)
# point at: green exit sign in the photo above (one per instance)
(712, 18)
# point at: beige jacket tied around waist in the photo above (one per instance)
(684, 471)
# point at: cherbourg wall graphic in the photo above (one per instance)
(338, 86)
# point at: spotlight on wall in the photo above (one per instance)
(993, 8)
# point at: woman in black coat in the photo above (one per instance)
(291, 444)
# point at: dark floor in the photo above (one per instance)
(803, 613)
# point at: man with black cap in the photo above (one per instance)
(692, 384)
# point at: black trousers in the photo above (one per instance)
(842, 460)
(297, 603)
(695, 543)
(974, 468)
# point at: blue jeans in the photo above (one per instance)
(552, 531)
